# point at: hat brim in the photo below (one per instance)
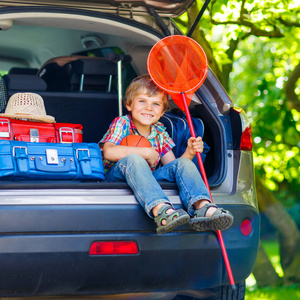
(33, 118)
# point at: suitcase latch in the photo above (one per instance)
(80, 154)
(24, 153)
(66, 135)
(52, 156)
(4, 123)
(34, 135)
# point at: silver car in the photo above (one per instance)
(52, 231)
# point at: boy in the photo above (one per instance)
(146, 103)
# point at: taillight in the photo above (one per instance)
(246, 227)
(114, 248)
(246, 139)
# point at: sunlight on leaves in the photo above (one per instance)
(270, 185)
(261, 67)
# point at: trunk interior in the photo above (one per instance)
(95, 110)
(87, 92)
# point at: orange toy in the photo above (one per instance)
(178, 65)
(135, 141)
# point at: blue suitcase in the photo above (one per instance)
(75, 161)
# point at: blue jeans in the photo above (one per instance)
(144, 183)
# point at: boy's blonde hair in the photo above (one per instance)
(144, 85)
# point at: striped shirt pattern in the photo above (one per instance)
(123, 126)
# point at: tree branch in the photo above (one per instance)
(288, 23)
(254, 29)
(179, 21)
(199, 36)
(227, 68)
(290, 85)
(243, 10)
(289, 236)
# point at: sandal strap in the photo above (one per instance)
(201, 212)
(162, 215)
(220, 211)
(164, 208)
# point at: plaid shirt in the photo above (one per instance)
(123, 126)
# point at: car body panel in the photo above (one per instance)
(128, 8)
(53, 255)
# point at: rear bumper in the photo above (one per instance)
(52, 262)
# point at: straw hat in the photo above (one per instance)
(29, 106)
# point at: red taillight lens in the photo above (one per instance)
(246, 227)
(114, 248)
(246, 139)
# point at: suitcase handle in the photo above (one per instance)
(53, 169)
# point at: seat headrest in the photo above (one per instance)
(22, 82)
(29, 71)
(94, 66)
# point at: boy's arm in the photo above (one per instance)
(115, 152)
(193, 145)
(168, 157)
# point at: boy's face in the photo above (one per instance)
(146, 110)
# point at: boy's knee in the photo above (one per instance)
(134, 159)
(183, 161)
(186, 164)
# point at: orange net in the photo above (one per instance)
(177, 64)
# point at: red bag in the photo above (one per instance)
(28, 131)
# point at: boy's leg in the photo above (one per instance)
(191, 187)
(195, 195)
(135, 171)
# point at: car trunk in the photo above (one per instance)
(96, 109)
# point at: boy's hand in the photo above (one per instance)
(152, 156)
(194, 145)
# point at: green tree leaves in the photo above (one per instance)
(255, 47)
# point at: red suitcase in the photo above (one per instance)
(28, 131)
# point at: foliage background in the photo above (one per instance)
(253, 48)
